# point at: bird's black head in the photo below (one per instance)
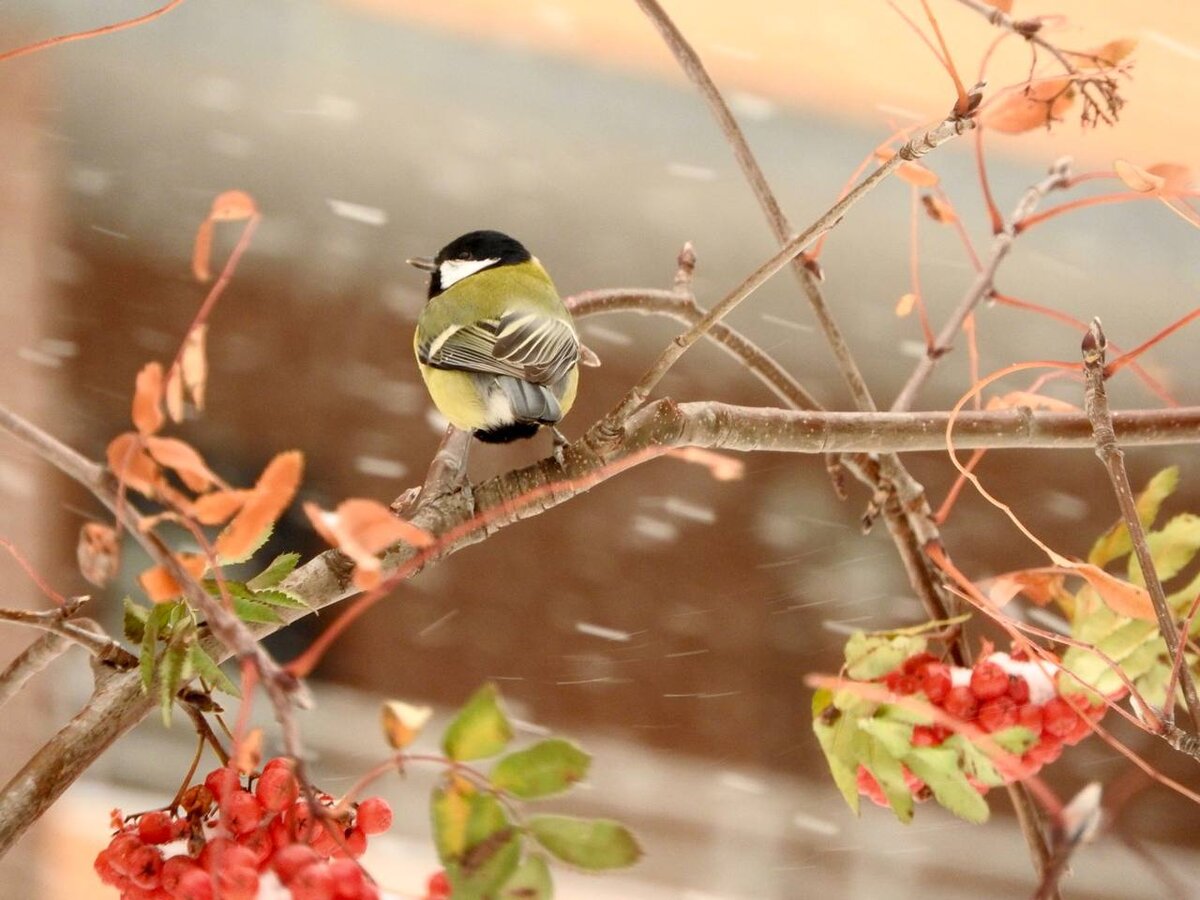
(471, 253)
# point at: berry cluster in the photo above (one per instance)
(998, 693)
(234, 833)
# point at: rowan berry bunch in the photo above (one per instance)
(230, 831)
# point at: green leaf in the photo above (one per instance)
(280, 568)
(895, 737)
(592, 844)
(1171, 548)
(925, 627)
(485, 819)
(480, 729)
(487, 865)
(449, 810)
(253, 611)
(1015, 740)
(157, 618)
(829, 728)
(1115, 542)
(871, 656)
(938, 768)
(531, 881)
(890, 774)
(274, 597)
(134, 621)
(176, 669)
(206, 667)
(546, 768)
(253, 548)
(974, 761)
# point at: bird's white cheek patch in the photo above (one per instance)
(453, 270)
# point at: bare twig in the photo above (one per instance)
(981, 288)
(83, 632)
(1096, 405)
(47, 648)
(84, 35)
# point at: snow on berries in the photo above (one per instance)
(228, 831)
(994, 723)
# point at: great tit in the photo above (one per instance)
(495, 343)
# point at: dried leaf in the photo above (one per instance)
(402, 722)
(202, 251)
(361, 529)
(232, 206)
(219, 506)
(271, 495)
(1042, 586)
(161, 586)
(174, 394)
(1120, 596)
(1106, 56)
(1176, 176)
(1016, 399)
(1022, 110)
(184, 459)
(247, 753)
(939, 210)
(132, 465)
(195, 364)
(1138, 179)
(721, 466)
(904, 306)
(1005, 6)
(147, 399)
(909, 172)
(97, 553)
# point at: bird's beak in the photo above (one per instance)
(424, 263)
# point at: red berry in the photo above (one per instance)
(1030, 716)
(145, 866)
(222, 782)
(347, 878)
(237, 882)
(107, 871)
(374, 815)
(194, 885)
(278, 762)
(174, 869)
(901, 683)
(313, 882)
(935, 681)
(299, 822)
(925, 736)
(1045, 751)
(120, 849)
(259, 843)
(222, 853)
(156, 827)
(438, 886)
(869, 787)
(988, 681)
(324, 841)
(914, 663)
(356, 843)
(291, 859)
(998, 714)
(277, 789)
(241, 812)
(1018, 689)
(960, 703)
(1059, 717)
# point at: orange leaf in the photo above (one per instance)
(217, 507)
(939, 210)
(184, 459)
(1005, 6)
(232, 206)
(202, 251)
(1120, 596)
(266, 503)
(909, 172)
(1138, 179)
(1041, 586)
(247, 753)
(1175, 176)
(1108, 55)
(161, 586)
(147, 399)
(174, 395)
(362, 529)
(905, 305)
(1023, 109)
(131, 464)
(1014, 399)
(195, 364)
(719, 465)
(97, 553)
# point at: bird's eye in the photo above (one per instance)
(464, 255)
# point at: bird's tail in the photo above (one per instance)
(531, 402)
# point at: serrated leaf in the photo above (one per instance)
(174, 670)
(134, 623)
(280, 568)
(487, 865)
(245, 552)
(889, 773)
(206, 667)
(449, 810)
(546, 768)
(531, 881)
(895, 737)
(1127, 637)
(156, 621)
(274, 597)
(480, 729)
(1181, 601)
(1152, 685)
(938, 768)
(592, 844)
(842, 766)
(1016, 740)
(252, 611)
(872, 656)
(974, 761)
(1115, 542)
(1172, 548)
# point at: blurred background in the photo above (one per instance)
(664, 620)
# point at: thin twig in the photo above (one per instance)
(1110, 453)
(33, 659)
(982, 286)
(54, 622)
(84, 35)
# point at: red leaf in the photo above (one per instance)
(147, 399)
(266, 503)
(217, 507)
(161, 586)
(183, 458)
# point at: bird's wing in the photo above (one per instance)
(535, 348)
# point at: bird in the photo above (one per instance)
(495, 343)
